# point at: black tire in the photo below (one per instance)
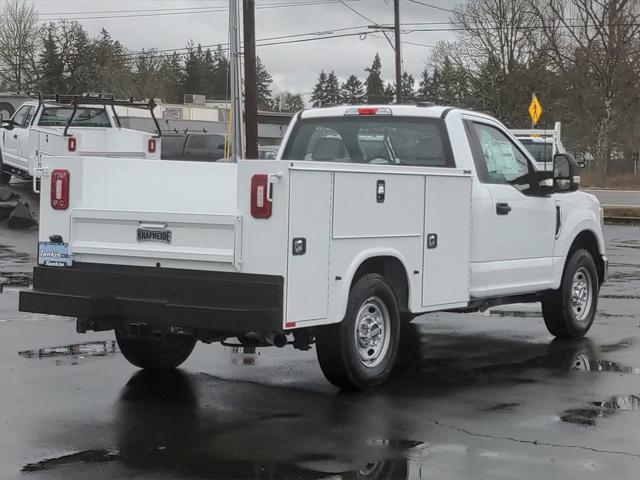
(5, 177)
(155, 354)
(340, 352)
(564, 317)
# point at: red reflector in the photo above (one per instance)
(60, 189)
(290, 325)
(152, 145)
(71, 144)
(260, 203)
(367, 110)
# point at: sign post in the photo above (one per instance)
(535, 110)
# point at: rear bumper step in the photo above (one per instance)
(159, 297)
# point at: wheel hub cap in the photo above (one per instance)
(581, 294)
(372, 331)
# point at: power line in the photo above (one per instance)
(356, 11)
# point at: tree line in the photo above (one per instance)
(61, 57)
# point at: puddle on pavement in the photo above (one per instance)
(7, 254)
(515, 313)
(307, 466)
(87, 456)
(501, 407)
(78, 350)
(590, 414)
(10, 281)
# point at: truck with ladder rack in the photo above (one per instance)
(369, 217)
(70, 125)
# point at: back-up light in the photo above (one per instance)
(260, 198)
(151, 146)
(72, 143)
(60, 189)
(368, 111)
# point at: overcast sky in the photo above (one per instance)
(168, 24)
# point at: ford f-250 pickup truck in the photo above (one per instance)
(69, 125)
(330, 243)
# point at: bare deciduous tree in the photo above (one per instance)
(19, 44)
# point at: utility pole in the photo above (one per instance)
(236, 82)
(396, 27)
(250, 79)
(395, 45)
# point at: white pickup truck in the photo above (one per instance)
(331, 242)
(41, 128)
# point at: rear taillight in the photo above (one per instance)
(60, 189)
(151, 146)
(72, 144)
(260, 198)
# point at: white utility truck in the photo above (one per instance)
(78, 126)
(327, 243)
(542, 144)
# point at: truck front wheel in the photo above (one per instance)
(569, 311)
(360, 352)
(155, 354)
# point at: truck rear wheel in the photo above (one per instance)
(569, 311)
(155, 354)
(360, 352)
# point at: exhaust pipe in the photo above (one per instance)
(276, 339)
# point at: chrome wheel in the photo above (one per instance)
(581, 294)
(372, 332)
(581, 363)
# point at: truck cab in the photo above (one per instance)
(369, 216)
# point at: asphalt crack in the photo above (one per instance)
(532, 442)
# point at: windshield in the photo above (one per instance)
(377, 140)
(541, 151)
(84, 117)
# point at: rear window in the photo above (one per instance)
(84, 117)
(374, 140)
(541, 151)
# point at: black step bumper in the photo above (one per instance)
(159, 297)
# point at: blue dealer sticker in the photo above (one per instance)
(54, 254)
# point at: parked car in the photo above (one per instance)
(449, 212)
(42, 128)
(200, 147)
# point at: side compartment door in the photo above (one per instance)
(447, 237)
(310, 211)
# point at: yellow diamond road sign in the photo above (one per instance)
(535, 110)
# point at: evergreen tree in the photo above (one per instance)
(332, 93)
(407, 89)
(50, 65)
(424, 87)
(195, 71)
(352, 91)
(318, 97)
(220, 79)
(288, 102)
(264, 81)
(172, 77)
(388, 93)
(374, 84)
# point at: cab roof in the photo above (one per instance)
(418, 110)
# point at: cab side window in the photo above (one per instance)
(501, 161)
(29, 117)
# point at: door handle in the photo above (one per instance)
(15, 135)
(503, 208)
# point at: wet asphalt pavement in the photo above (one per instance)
(477, 396)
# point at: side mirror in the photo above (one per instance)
(565, 178)
(7, 124)
(580, 159)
